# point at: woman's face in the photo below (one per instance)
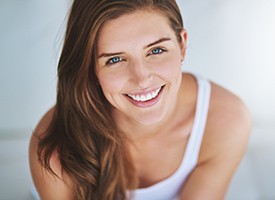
(139, 66)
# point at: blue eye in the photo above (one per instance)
(157, 51)
(113, 60)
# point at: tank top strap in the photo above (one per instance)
(197, 132)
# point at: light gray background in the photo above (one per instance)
(231, 42)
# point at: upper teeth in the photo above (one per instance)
(145, 97)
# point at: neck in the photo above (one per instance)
(135, 131)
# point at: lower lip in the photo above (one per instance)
(146, 104)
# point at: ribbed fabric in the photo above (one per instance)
(169, 188)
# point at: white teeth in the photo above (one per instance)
(146, 97)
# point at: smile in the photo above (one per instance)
(147, 99)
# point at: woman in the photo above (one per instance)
(128, 124)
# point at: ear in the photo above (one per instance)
(183, 42)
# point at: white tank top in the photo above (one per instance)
(169, 188)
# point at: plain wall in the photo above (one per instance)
(31, 39)
(231, 42)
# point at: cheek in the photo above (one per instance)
(171, 67)
(111, 83)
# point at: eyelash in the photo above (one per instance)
(162, 50)
(112, 62)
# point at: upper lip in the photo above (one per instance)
(144, 92)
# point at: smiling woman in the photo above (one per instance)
(148, 64)
(123, 101)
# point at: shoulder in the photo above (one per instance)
(48, 185)
(224, 143)
(228, 124)
(44, 123)
(227, 110)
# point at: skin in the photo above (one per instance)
(139, 70)
(48, 186)
(164, 128)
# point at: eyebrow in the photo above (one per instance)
(157, 42)
(109, 54)
(147, 46)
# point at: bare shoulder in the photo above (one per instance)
(48, 185)
(228, 109)
(228, 125)
(44, 122)
(224, 143)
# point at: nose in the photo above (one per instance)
(141, 74)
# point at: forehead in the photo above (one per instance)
(138, 28)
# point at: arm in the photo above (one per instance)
(48, 186)
(225, 140)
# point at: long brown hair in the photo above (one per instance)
(92, 151)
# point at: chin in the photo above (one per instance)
(150, 120)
